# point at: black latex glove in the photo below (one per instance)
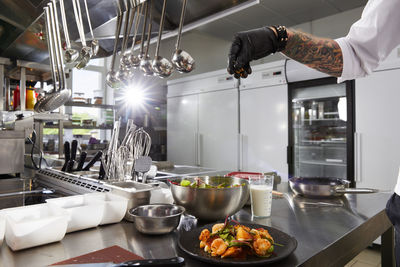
(248, 46)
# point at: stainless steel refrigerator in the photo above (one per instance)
(321, 129)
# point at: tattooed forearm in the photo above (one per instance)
(321, 54)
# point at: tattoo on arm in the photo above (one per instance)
(318, 53)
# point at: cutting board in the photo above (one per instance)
(114, 254)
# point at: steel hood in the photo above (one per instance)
(22, 23)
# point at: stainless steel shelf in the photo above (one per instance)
(332, 119)
(323, 142)
(318, 146)
(79, 104)
(323, 162)
(49, 116)
(79, 127)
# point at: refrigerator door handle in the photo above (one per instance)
(357, 157)
(241, 150)
(198, 141)
(195, 147)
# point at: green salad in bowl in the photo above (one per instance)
(210, 198)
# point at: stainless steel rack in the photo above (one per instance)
(69, 183)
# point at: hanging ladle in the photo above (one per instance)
(94, 43)
(54, 72)
(111, 78)
(182, 61)
(162, 67)
(145, 61)
(86, 51)
(124, 73)
(136, 61)
(128, 59)
(124, 61)
(70, 54)
(62, 95)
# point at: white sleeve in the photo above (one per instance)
(370, 39)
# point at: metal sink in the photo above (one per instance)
(137, 193)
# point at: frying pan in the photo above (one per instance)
(315, 187)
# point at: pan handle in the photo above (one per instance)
(356, 191)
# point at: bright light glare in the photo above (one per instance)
(134, 97)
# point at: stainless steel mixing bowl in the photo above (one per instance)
(156, 219)
(211, 204)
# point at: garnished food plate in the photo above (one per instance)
(188, 241)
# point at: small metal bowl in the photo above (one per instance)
(157, 219)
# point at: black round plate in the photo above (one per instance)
(188, 241)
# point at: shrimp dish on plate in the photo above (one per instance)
(236, 241)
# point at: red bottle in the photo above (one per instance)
(16, 99)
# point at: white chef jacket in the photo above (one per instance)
(370, 40)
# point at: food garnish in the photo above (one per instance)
(236, 241)
(199, 183)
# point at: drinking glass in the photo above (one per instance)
(261, 195)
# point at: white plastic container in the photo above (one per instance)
(161, 196)
(114, 206)
(84, 212)
(35, 225)
(2, 228)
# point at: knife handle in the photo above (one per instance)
(70, 165)
(67, 155)
(175, 261)
(81, 161)
(93, 161)
(74, 147)
(102, 172)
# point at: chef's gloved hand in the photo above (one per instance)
(248, 46)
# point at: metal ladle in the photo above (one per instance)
(94, 43)
(124, 61)
(136, 61)
(111, 78)
(62, 95)
(145, 61)
(86, 51)
(128, 58)
(70, 54)
(54, 72)
(124, 73)
(162, 67)
(182, 60)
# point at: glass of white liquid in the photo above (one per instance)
(261, 195)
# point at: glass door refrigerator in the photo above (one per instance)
(321, 129)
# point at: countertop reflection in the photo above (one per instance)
(323, 232)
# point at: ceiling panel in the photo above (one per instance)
(347, 4)
(273, 12)
(313, 12)
(254, 17)
(221, 28)
(286, 7)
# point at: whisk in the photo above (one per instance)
(109, 157)
(119, 160)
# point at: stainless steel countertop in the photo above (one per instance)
(327, 236)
